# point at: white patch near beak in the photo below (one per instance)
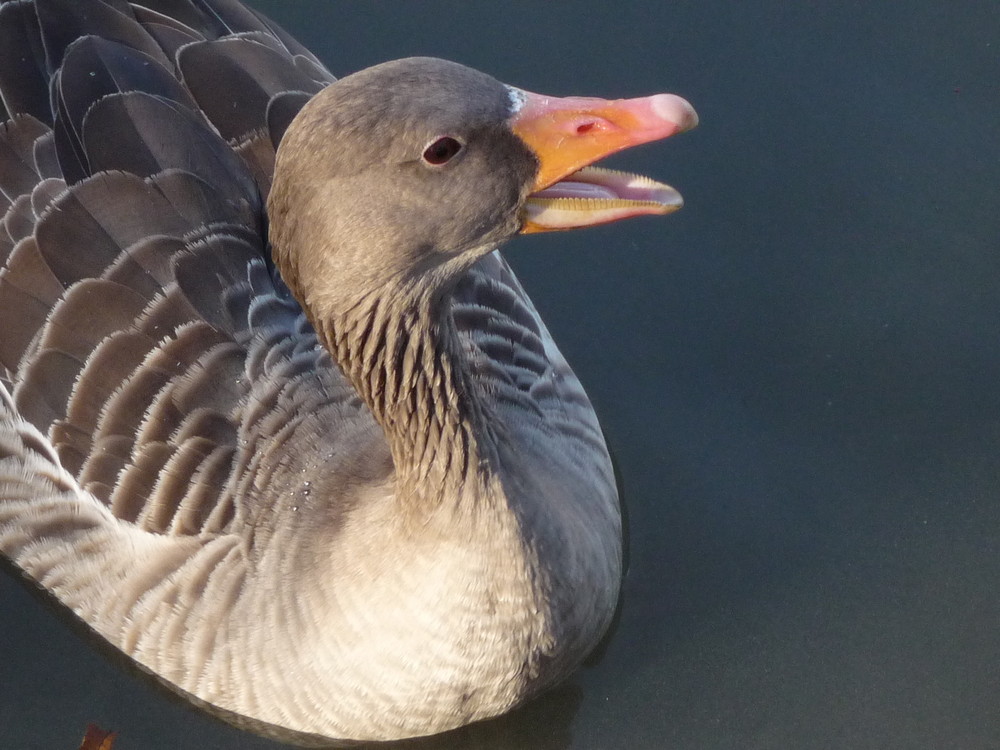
(517, 98)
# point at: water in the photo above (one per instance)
(799, 374)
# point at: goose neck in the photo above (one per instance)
(401, 351)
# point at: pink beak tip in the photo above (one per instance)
(674, 109)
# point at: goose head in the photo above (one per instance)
(402, 175)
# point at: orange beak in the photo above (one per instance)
(567, 135)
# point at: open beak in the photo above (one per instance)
(567, 135)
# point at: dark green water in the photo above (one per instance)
(799, 375)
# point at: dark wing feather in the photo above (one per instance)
(18, 171)
(23, 78)
(517, 362)
(148, 335)
(19, 219)
(95, 68)
(63, 22)
(46, 158)
(281, 111)
(234, 80)
(179, 14)
(170, 36)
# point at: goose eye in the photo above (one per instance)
(441, 150)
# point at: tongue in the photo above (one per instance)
(570, 189)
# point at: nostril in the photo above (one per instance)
(584, 128)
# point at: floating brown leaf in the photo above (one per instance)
(97, 739)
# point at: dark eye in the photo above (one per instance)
(441, 150)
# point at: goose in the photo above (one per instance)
(277, 420)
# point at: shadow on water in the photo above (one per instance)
(542, 724)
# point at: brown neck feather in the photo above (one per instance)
(402, 353)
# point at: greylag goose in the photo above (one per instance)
(283, 427)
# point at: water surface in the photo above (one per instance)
(799, 375)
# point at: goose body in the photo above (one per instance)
(353, 492)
